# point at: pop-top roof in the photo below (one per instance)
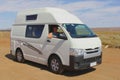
(46, 15)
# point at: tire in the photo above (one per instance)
(19, 56)
(55, 65)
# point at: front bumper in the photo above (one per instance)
(79, 63)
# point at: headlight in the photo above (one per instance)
(76, 52)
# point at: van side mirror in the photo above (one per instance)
(62, 36)
(50, 35)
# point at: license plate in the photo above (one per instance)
(93, 64)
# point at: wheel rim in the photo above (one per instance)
(19, 56)
(54, 65)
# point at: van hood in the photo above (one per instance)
(85, 43)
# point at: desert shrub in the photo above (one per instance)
(111, 38)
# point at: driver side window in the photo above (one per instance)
(57, 32)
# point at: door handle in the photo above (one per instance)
(48, 41)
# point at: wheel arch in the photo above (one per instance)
(18, 48)
(53, 54)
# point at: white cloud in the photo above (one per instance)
(82, 5)
(16, 5)
(113, 9)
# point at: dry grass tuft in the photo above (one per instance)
(4, 34)
(110, 38)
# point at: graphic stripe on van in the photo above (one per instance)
(30, 46)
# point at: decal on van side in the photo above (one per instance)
(30, 46)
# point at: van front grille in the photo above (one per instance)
(90, 50)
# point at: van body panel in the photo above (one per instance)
(58, 47)
(85, 43)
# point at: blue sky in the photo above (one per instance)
(94, 13)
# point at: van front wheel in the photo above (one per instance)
(55, 65)
(19, 56)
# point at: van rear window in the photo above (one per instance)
(34, 31)
(31, 17)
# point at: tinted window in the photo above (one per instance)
(34, 31)
(31, 17)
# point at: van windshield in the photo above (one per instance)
(79, 30)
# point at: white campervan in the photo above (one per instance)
(56, 38)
